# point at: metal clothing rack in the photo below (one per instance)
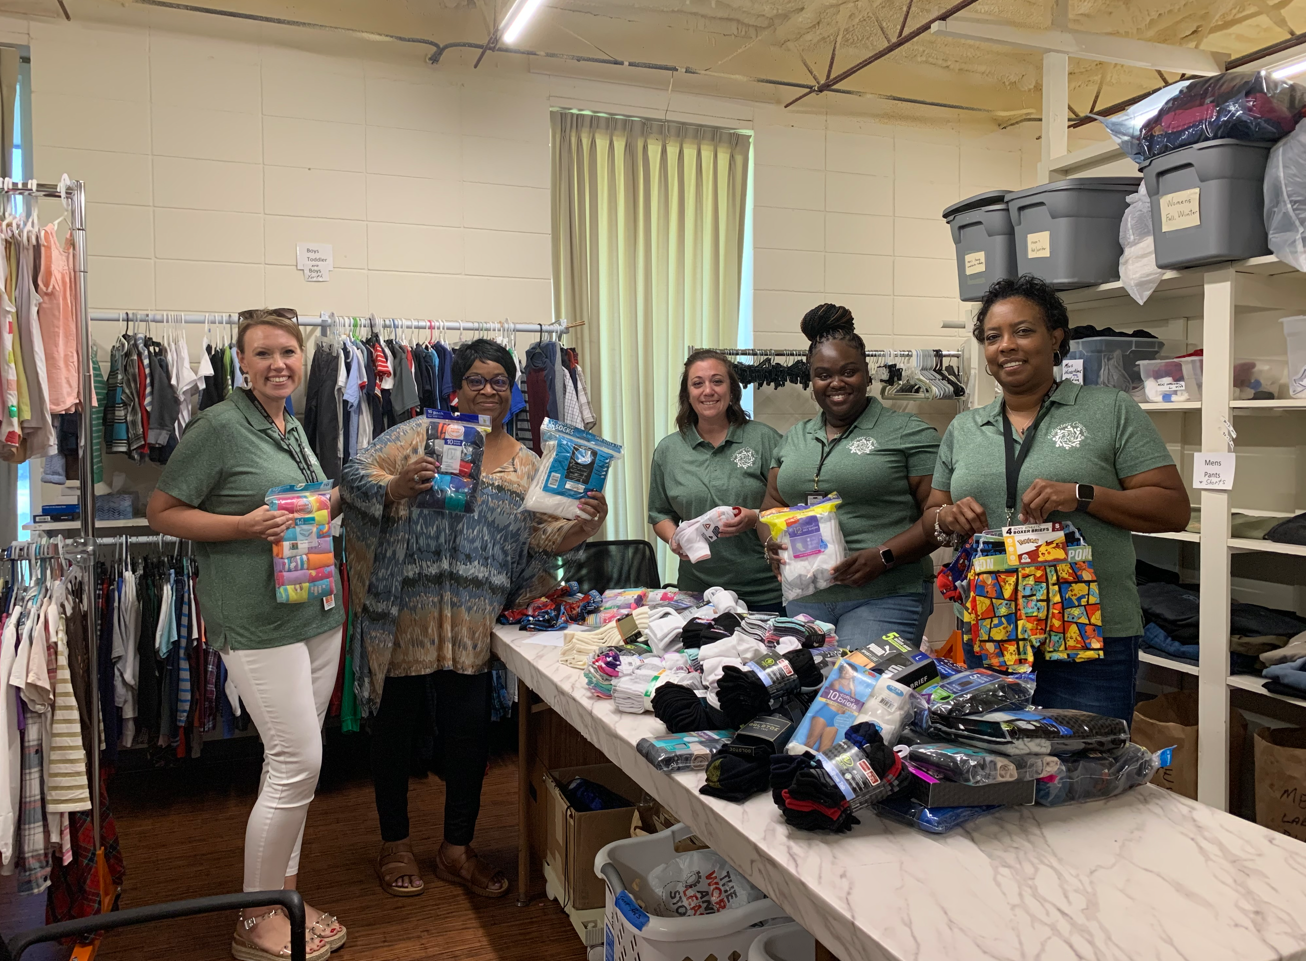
(556, 329)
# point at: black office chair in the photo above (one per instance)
(604, 565)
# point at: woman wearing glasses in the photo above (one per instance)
(282, 657)
(427, 587)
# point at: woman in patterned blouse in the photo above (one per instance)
(427, 586)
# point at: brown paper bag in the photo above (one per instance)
(1171, 719)
(1281, 780)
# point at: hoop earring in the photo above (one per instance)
(989, 372)
(1056, 358)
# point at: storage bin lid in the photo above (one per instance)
(1079, 183)
(989, 198)
(1224, 143)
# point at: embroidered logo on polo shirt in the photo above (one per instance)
(1070, 435)
(862, 445)
(745, 458)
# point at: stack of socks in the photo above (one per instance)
(814, 801)
(633, 693)
(725, 602)
(579, 646)
(664, 630)
(303, 561)
(683, 711)
(744, 693)
(805, 629)
(606, 666)
(561, 606)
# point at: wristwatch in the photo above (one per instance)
(1084, 494)
(886, 555)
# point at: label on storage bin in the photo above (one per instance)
(1039, 244)
(1213, 472)
(975, 263)
(1181, 209)
(1073, 371)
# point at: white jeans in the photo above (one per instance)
(286, 691)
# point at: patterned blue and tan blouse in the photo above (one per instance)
(426, 586)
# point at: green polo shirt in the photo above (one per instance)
(868, 468)
(1093, 435)
(228, 459)
(689, 477)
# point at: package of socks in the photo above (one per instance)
(303, 561)
(1036, 731)
(936, 792)
(896, 658)
(845, 691)
(980, 692)
(695, 537)
(969, 765)
(889, 708)
(682, 752)
(813, 545)
(575, 462)
(914, 814)
(1101, 775)
(457, 443)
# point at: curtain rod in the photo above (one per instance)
(342, 321)
(762, 352)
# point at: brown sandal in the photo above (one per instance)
(472, 872)
(394, 862)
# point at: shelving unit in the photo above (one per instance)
(1187, 536)
(1249, 682)
(1168, 662)
(56, 527)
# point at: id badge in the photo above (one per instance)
(1035, 544)
(815, 497)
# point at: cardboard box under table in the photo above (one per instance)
(575, 837)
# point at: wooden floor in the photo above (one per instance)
(182, 833)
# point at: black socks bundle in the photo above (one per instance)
(734, 778)
(746, 692)
(817, 797)
(683, 711)
(700, 631)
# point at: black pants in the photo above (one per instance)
(462, 721)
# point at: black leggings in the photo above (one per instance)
(462, 719)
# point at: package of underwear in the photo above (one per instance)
(845, 691)
(813, 545)
(1100, 775)
(682, 752)
(575, 462)
(912, 813)
(457, 443)
(980, 692)
(889, 708)
(303, 560)
(1036, 731)
(970, 765)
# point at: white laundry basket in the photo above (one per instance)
(785, 942)
(632, 935)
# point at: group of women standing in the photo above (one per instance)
(426, 586)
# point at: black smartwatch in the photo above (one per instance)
(886, 556)
(1084, 494)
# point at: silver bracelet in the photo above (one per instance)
(941, 537)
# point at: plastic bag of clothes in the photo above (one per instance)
(1100, 775)
(1139, 273)
(1285, 200)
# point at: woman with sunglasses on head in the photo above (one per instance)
(717, 457)
(879, 462)
(427, 587)
(1044, 451)
(282, 658)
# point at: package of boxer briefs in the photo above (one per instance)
(304, 561)
(457, 443)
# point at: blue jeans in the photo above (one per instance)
(1101, 686)
(859, 622)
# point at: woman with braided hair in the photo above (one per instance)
(880, 462)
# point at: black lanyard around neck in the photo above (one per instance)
(295, 450)
(830, 445)
(1015, 461)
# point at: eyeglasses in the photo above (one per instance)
(500, 382)
(285, 313)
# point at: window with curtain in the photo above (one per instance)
(648, 250)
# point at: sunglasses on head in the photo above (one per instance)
(285, 313)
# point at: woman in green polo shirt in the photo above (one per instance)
(282, 658)
(879, 461)
(717, 457)
(1089, 456)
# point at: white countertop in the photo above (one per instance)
(1148, 875)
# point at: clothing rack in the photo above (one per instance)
(762, 352)
(557, 329)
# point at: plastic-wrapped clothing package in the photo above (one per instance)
(303, 560)
(845, 691)
(889, 708)
(574, 463)
(1036, 731)
(981, 691)
(457, 443)
(695, 537)
(813, 545)
(682, 752)
(1139, 274)
(1100, 775)
(698, 883)
(968, 765)
(1285, 200)
(912, 813)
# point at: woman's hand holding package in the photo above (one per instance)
(1043, 497)
(263, 523)
(966, 517)
(415, 477)
(742, 522)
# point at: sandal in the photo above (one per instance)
(245, 950)
(328, 929)
(472, 872)
(394, 862)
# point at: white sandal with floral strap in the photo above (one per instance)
(242, 949)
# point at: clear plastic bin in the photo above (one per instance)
(1294, 330)
(1256, 379)
(1113, 361)
(1171, 381)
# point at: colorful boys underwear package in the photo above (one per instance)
(304, 560)
(457, 443)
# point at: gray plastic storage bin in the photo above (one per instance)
(1208, 202)
(1068, 232)
(985, 241)
(1113, 361)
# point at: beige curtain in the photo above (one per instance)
(648, 243)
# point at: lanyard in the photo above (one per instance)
(829, 447)
(295, 450)
(1016, 461)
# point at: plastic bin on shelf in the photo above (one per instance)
(985, 240)
(1208, 202)
(1256, 379)
(632, 935)
(785, 942)
(1171, 381)
(1068, 232)
(1113, 361)
(1294, 330)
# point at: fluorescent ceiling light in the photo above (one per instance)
(1292, 68)
(515, 22)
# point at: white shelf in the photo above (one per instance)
(1186, 536)
(1246, 405)
(1250, 682)
(1268, 547)
(1182, 405)
(1156, 659)
(59, 526)
(1186, 279)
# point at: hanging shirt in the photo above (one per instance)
(38, 428)
(58, 315)
(11, 745)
